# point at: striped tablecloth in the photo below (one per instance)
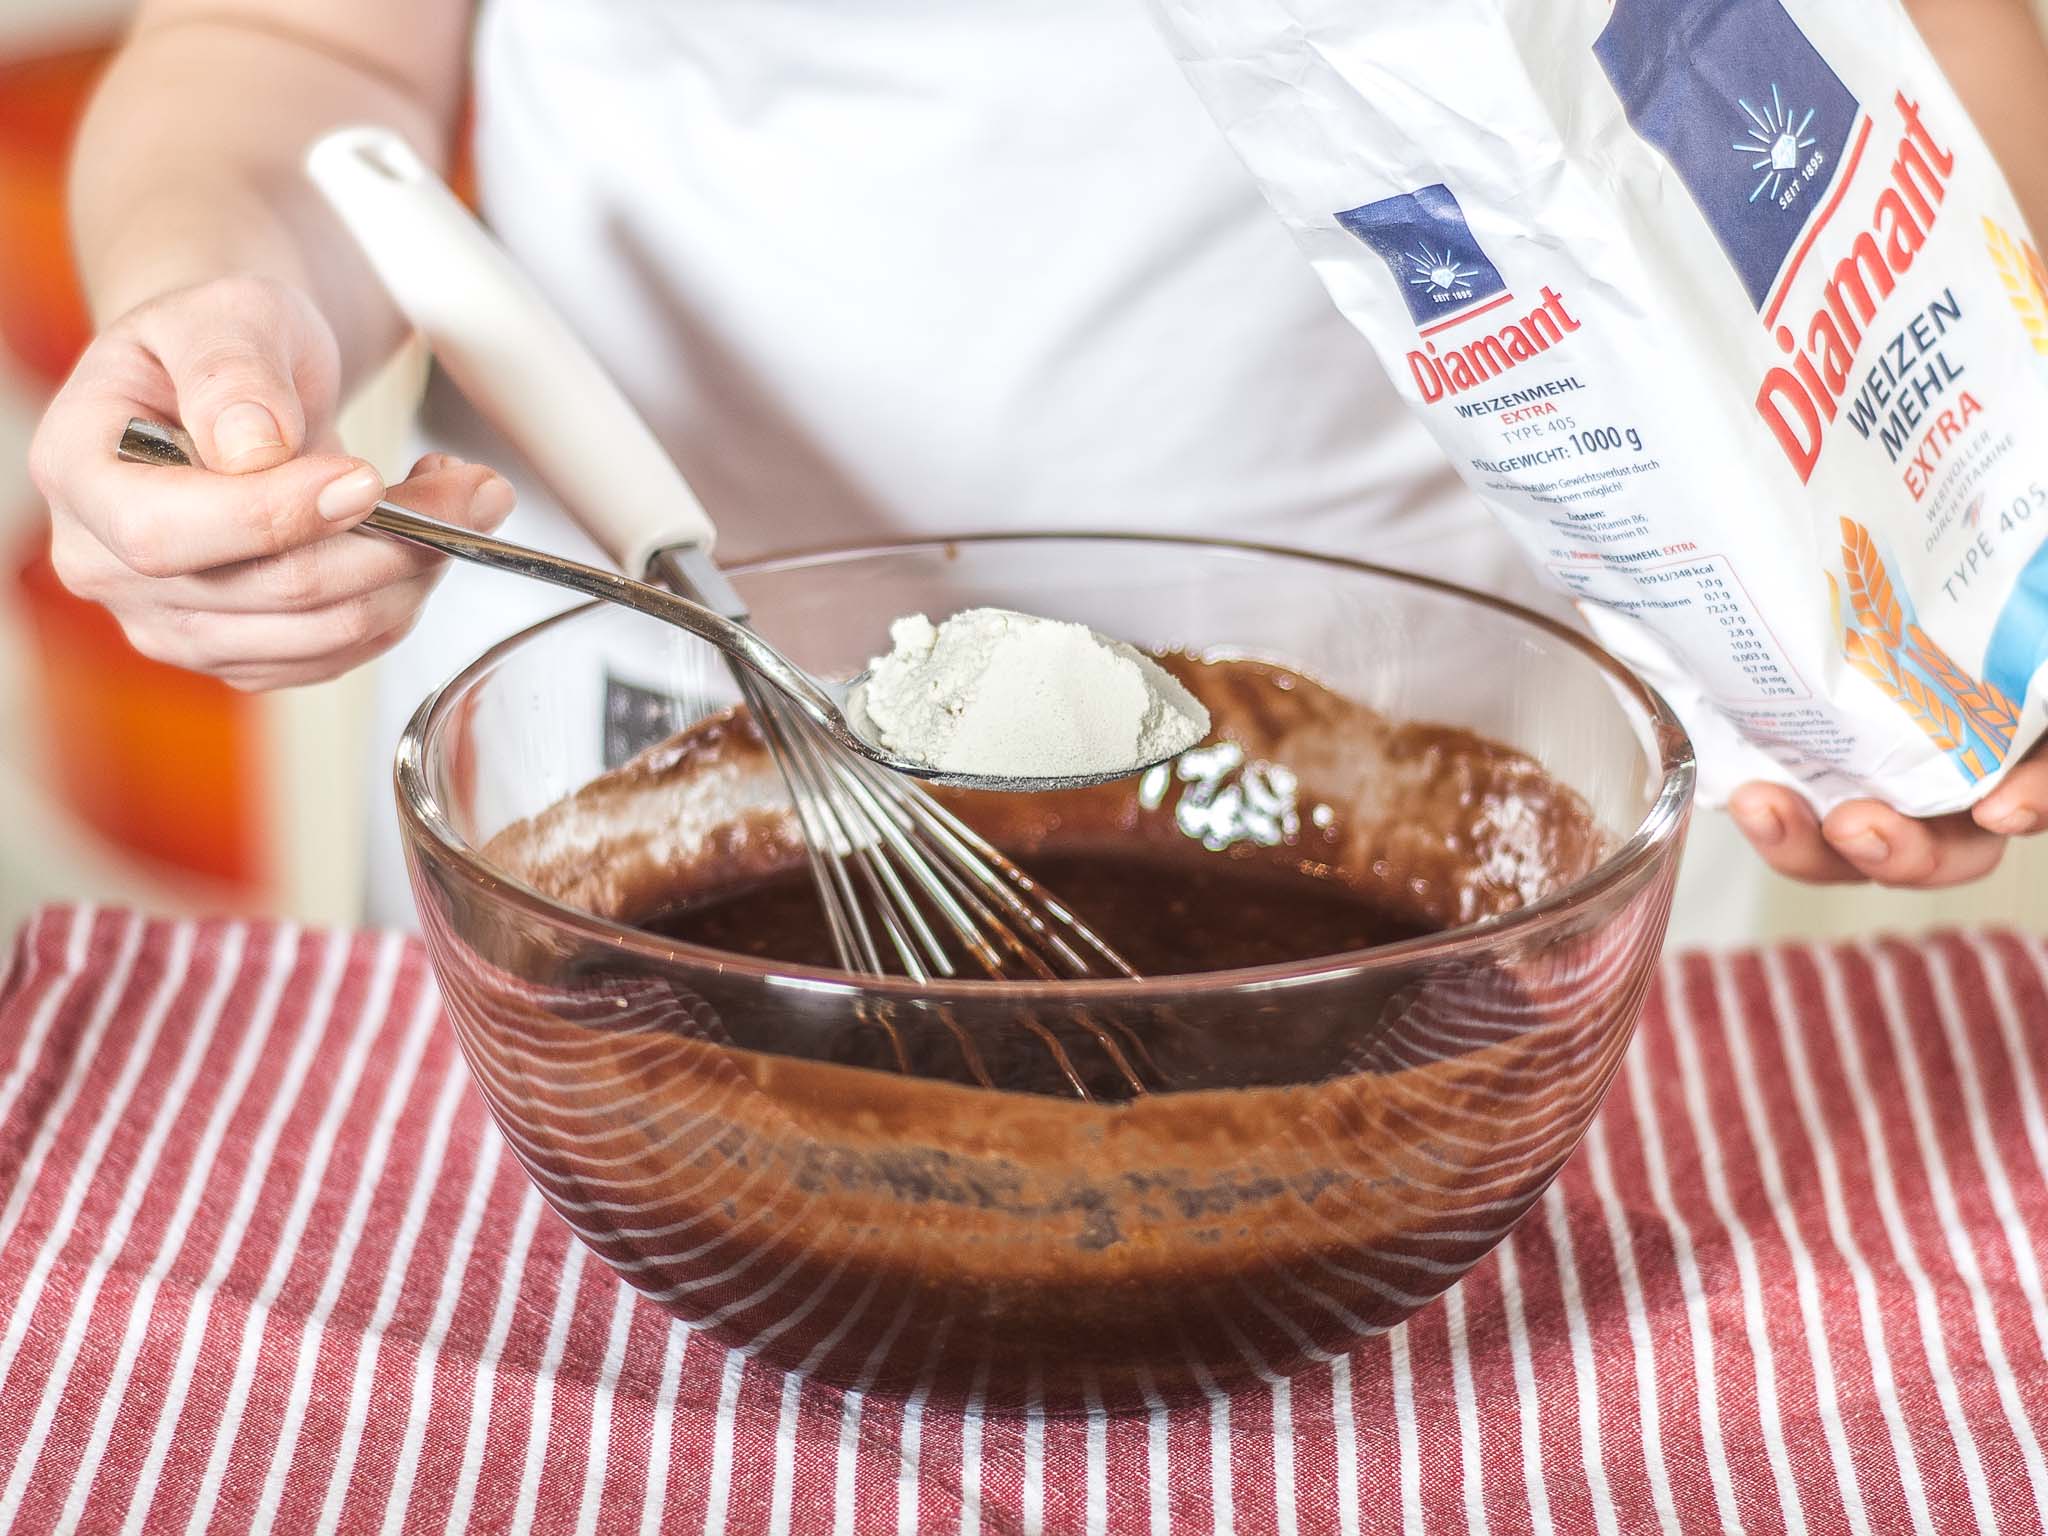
(264, 1264)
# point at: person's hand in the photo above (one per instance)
(1868, 840)
(238, 568)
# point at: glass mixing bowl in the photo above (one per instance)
(728, 1135)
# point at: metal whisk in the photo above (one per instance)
(904, 883)
(924, 873)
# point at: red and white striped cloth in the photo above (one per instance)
(265, 1265)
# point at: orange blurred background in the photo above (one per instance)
(157, 764)
(120, 778)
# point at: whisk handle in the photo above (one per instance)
(507, 348)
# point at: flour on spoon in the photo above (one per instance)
(1008, 694)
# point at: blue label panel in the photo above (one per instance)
(1747, 112)
(2019, 641)
(1424, 240)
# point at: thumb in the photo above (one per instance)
(236, 368)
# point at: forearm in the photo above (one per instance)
(187, 166)
(1994, 54)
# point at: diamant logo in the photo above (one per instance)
(1423, 238)
(1776, 142)
(1441, 272)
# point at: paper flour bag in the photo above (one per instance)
(1724, 309)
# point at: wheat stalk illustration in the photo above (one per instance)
(1955, 703)
(2026, 284)
(1941, 724)
(1871, 597)
(1988, 706)
(1872, 661)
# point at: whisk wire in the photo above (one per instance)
(916, 946)
(844, 919)
(1008, 885)
(949, 895)
(884, 854)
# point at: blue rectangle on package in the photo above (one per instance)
(1424, 240)
(1744, 108)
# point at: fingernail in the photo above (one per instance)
(1867, 847)
(492, 500)
(434, 463)
(350, 495)
(1762, 824)
(245, 429)
(2017, 822)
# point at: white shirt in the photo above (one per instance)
(891, 268)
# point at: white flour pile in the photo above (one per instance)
(1007, 694)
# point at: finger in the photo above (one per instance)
(176, 522)
(335, 570)
(1781, 826)
(267, 678)
(173, 522)
(237, 353)
(231, 644)
(456, 491)
(314, 576)
(1898, 850)
(2019, 806)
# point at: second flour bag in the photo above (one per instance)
(1725, 310)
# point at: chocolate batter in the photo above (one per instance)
(1312, 828)
(1167, 912)
(1308, 828)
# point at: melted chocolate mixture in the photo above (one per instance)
(1167, 912)
(1308, 826)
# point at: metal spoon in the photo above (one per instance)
(833, 707)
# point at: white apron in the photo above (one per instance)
(889, 268)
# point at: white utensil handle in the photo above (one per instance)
(507, 348)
